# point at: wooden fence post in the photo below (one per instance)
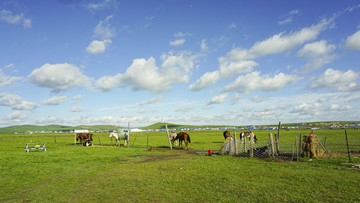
(74, 138)
(272, 145)
(251, 145)
(244, 144)
(236, 149)
(277, 143)
(128, 140)
(167, 132)
(296, 148)
(230, 138)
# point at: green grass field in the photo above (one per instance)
(107, 173)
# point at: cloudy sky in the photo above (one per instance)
(187, 62)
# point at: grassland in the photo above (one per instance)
(107, 173)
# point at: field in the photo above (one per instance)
(107, 173)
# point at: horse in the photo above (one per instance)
(172, 138)
(87, 137)
(247, 134)
(181, 136)
(226, 134)
(122, 136)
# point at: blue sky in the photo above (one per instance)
(187, 62)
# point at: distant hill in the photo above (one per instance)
(161, 125)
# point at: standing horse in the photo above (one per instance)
(87, 137)
(226, 134)
(247, 134)
(122, 136)
(172, 138)
(181, 136)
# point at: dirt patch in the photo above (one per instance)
(156, 158)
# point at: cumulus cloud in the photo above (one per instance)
(239, 60)
(308, 109)
(177, 42)
(353, 42)
(209, 78)
(106, 83)
(7, 80)
(319, 54)
(254, 81)
(9, 17)
(16, 102)
(55, 100)
(341, 81)
(98, 47)
(16, 116)
(218, 99)
(59, 77)
(176, 68)
(100, 5)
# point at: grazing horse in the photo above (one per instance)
(181, 136)
(226, 134)
(122, 136)
(172, 138)
(84, 137)
(247, 134)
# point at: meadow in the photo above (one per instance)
(107, 173)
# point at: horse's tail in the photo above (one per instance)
(188, 138)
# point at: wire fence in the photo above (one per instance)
(312, 146)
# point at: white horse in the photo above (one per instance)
(172, 137)
(120, 136)
(244, 135)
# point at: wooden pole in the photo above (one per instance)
(251, 145)
(128, 140)
(277, 143)
(236, 147)
(167, 132)
(230, 138)
(347, 144)
(74, 138)
(244, 144)
(297, 148)
(272, 145)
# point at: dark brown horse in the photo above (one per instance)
(181, 136)
(226, 134)
(84, 137)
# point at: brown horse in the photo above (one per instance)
(243, 135)
(226, 134)
(87, 137)
(181, 136)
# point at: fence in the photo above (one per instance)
(325, 146)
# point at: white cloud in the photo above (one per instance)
(336, 79)
(254, 81)
(16, 116)
(104, 30)
(55, 100)
(232, 26)
(151, 101)
(209, 78)
(353, 41)
(77, 109)
(16, 102)
(203, 45)
(98, 47)
(9, 17)
(308, 109)
(102, 4)
(218, 99)
(7, 80)
(58, 77)
(177, 42)
(338, 107)
(319, 54)
(288, 18)
(106, 83)
(152, 77)
(182, 34)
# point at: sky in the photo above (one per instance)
(111, 62)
